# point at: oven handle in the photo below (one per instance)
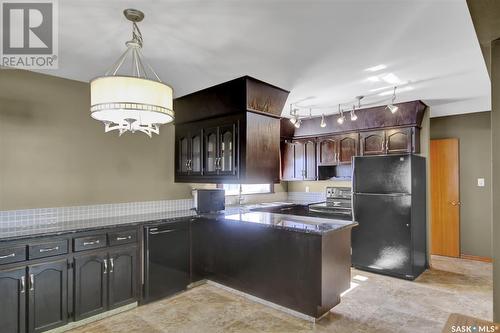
(161, 232)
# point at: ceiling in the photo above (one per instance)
(319, 50)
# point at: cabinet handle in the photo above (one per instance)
(49, 250)
(123, 238)
(91, 243)
(23, 284)
(105, 266)
(12, 255)
(161, 232)
(32, 282)
(112, 262)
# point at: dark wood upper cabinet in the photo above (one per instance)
(188, 151)
(122, 276)
(240, 123)
(300, 159)
(91, 284)
(372, 143)
(288, 161)
(48, 295)
(399, 140)
(310, 160)
(327, 151)
(13, 289)
(347, 148)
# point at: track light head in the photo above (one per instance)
(297, 123)
(323, 123)
(393, 108)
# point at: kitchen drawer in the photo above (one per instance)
(48, 249)
(12, 254)
(89, 242)
(122, 237)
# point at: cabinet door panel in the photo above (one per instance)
(122, 277)
(327, 151)
(13, 300)
(196, 153)
(310, 160)
(90, 285)
(373, 143)
(48, 298)
(210, 151)
(348, 147)
(299, 163)
(227, 145)
(288, 161)
(399, 140)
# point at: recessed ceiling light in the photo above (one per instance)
(391, 78)
(372, 79)
(376, 68)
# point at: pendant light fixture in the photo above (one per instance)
(323, 123)
(131, 102)
(341, 117)
(391, 107)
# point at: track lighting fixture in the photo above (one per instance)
(297, 123)
(341, 117)
(354, 117)
(391, 107)
(323, 123)
(293, 120)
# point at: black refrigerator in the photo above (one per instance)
(389, 203)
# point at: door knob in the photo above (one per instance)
(455, 203)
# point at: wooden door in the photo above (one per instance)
(122, 277)
(288, 161)
(399, 140)
(445, 199)
(13, 301)
(372, 143)
(310, 160)
(299, 162)
(327, 151)
(348, 147)
(48, 295)
(91, 285)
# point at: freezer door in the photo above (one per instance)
(381, 241)
(382, 174)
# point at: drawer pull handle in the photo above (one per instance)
(112, 262)
(91, 243)
(23, 284)
(32, 282)
(49, 250)
(123, 238)
(12, 255)
(105, 266)
(161, 232)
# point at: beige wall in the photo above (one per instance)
(315, 186)
(474, 134)
(52, 153)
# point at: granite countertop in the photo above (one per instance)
(305, 224)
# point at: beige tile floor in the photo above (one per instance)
(376, 304)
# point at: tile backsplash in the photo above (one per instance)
(49, 216)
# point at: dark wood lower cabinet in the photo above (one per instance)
(13, 300)
(48, 295)
(91, 284)
(122, 277)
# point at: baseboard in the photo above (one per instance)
(476, 258)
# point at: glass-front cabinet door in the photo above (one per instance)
(195, 153)
(227, 143)
(211, 158)
(183, 153)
